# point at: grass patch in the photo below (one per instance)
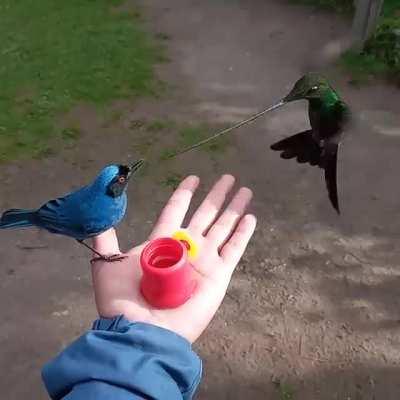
(381, 54)
(391, 8)
(55, 54)
(341, 6)
(172, 180)
(166, 154)
(286, 392)
(363, 66)
(191, 134)
(70, 134)
(147, 134)
(160, 125)
(182, 135)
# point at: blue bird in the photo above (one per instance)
(82, 214)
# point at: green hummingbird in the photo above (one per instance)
(318, 146)
(328, 115)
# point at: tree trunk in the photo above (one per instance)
(365, 20)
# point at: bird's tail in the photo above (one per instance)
(16, 218)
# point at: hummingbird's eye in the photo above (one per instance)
(121, 179)
(314, 88)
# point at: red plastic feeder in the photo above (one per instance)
(167, 280)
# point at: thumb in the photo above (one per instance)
(107, 243)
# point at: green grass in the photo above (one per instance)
(191, 134)
(363, 66)
(286, 392)
(56, 54)
(71, 134)
(381, 54)
(166, 154)
(172, 180)
(341, 6)
(391, 8)
(160, 125)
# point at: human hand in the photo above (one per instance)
(222, 240)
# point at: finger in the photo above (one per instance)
(233, 250)
(209, 208)
(174, 212)
(107, 243)
(226, 223)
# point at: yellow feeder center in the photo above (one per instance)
(192, 247)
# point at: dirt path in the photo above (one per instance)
(313, 311)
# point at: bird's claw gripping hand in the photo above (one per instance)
(112, 258)
(168, 279)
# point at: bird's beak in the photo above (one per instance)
(133, 168)
(290, 97)
(279, 104)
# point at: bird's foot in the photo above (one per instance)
(113, 258)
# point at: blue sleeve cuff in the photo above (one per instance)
(134, 357)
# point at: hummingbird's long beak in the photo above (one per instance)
(229, 129)
(133, 168)
(280, 103)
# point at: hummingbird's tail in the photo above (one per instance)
(17, 218)
(330, 166)
(302, 147)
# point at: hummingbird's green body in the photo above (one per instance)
(328, 117)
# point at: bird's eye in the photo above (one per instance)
(121, 179)
(314, 88)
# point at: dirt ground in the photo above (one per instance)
(313, 311)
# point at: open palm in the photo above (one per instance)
(222, 237)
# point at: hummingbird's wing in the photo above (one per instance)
(329, 163)
(301, 146)
(305, 149)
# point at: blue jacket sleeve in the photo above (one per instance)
(123, 360)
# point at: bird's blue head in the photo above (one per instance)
(114, 179)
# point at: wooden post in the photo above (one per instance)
(365, 20)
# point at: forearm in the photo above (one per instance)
(122, 360)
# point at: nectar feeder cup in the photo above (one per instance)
(168, 276)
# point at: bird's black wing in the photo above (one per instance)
(305, 149)
(329, 161)
(301, 146)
